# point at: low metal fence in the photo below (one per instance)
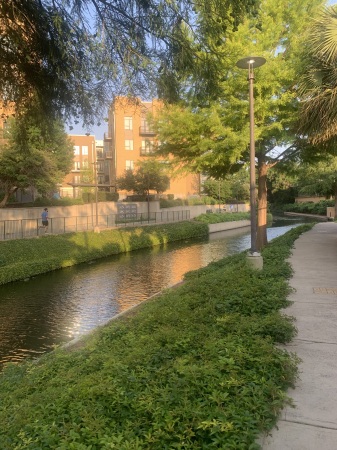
(23, 228)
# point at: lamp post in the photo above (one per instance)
(249, 64)
(96, 227)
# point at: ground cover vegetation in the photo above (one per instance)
(24, 258)
(196, 368)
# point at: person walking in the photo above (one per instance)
(45, 221)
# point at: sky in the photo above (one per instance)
(99, 131)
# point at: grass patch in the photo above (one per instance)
(195, 368)
(20, 259)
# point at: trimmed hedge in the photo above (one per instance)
(222, 217)
(20, 259)
(195, 368)
(309, 207)
(227, 217)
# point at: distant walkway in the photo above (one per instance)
(314, 216)
(312, 424)
(26, 228)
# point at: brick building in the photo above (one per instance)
(130, 139)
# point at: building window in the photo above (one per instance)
(77, 179)
(147, 147)
(128, 165)
(127, 123)
(76, 149)
(85, 164)
(84, 149)
(77, 165)
(128, 144)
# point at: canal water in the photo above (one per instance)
(56, 307)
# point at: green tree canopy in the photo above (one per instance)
(149, 176)
(231, 187)
(32, 157)
(71, 55)
(213, 136)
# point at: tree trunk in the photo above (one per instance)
(261, 240)
(335, 200)
(148, 206)
(7, 195)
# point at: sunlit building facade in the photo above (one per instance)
(130, 139)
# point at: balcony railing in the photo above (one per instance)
(146, 151)
(146, 131)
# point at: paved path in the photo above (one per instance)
(312, 424)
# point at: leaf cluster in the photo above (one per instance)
(71, 55)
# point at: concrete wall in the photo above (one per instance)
(224, 226)
(104, 208)
(309, 199)
(330, 211)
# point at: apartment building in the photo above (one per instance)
(130, 139)
(91, 166)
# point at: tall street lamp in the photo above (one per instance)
(96, 227)
(249, 64)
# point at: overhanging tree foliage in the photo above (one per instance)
(33, 157)
(71, 55)
(318, 83)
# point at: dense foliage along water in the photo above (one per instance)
(59, 306)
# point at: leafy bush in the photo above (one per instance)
(166, 203)
(170, 202)
(222, 217)
(309, 207)
(66, 201)
(27, 257)
(196, 367)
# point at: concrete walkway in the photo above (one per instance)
(312, 424)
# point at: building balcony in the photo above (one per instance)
(108, 155)
(146, 152)
(146, 131)
(107, 137)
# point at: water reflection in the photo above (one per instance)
(56, 307)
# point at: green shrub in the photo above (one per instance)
(222, 217)
(309, 207)
(196, 367)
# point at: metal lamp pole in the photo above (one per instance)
(249, 63)
(96, 228)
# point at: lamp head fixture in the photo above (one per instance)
(250, 62)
